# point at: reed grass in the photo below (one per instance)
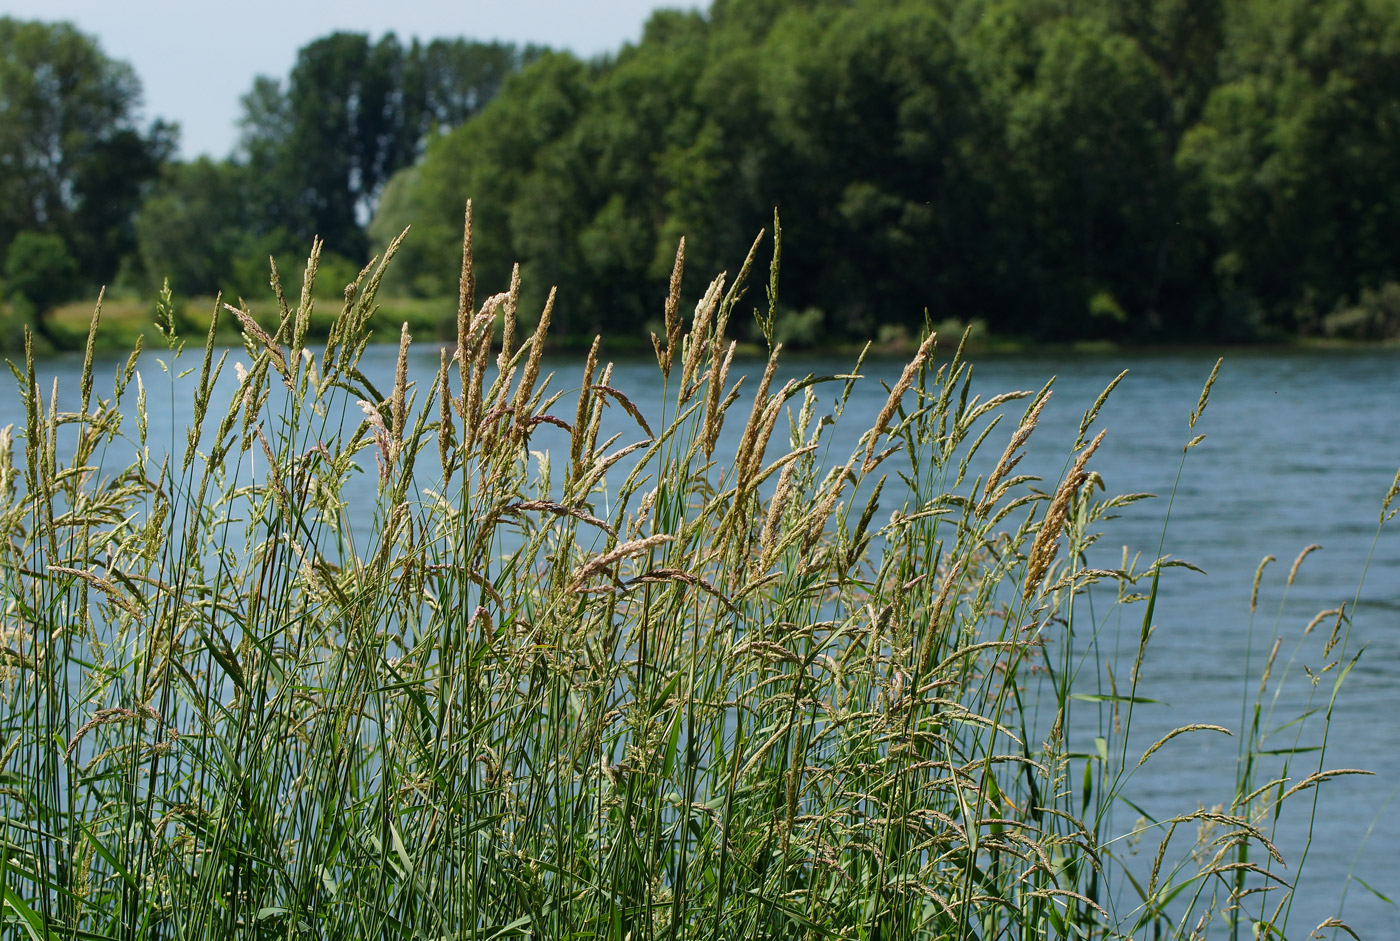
(648, 690)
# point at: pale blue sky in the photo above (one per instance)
(196, 59)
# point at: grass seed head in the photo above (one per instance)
(773, 520)
(1205, 394)
(466, 282)
(1012, 455)
(901, 386)
(526, 388)
(398, 405)
(508, 309)
(587, 401)
(307, 301)
(632, 547)
(446, 435)
(673, 318)
(1047, 540)
(698, 340)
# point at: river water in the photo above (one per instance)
(1300, 448)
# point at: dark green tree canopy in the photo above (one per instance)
(349, 117)
(194, 224)
(1136, 170)
(1132, 169)
(352, 112)
(73, 160)
(460, 76)
(314, 156)
(1295, 158)
(39, 271)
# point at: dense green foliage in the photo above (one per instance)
(1135, 170)
(314, 154)
(38, 270)
(73, 160)
(354, 111)
(313, 158)
(1180, 169)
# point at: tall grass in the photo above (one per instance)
(637, 688)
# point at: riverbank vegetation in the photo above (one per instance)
(552, 684)
(1168, 171)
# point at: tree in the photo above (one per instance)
(271, 183)
(499, 159)
(1129, 169)
(349, 118)
(73, 161)
(460, 76)
(109, 184)
(1184, 38)
(352, 113)
(1295, 159)
(1092, 179)
(862, 123)
(39, 273)
(193, 225)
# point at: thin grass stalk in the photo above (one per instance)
(705, 703)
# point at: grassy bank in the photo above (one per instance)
(632, 688)
(127, 318)
(124, 319)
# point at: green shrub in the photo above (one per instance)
(1376, 316)
(40, 272)
(799, 329)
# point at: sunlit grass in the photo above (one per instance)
(126, 318)
(642, 687)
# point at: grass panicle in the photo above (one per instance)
(701, 684)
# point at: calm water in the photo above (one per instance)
(1300, 449)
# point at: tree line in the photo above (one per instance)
(90, 197)
(1138, 170)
